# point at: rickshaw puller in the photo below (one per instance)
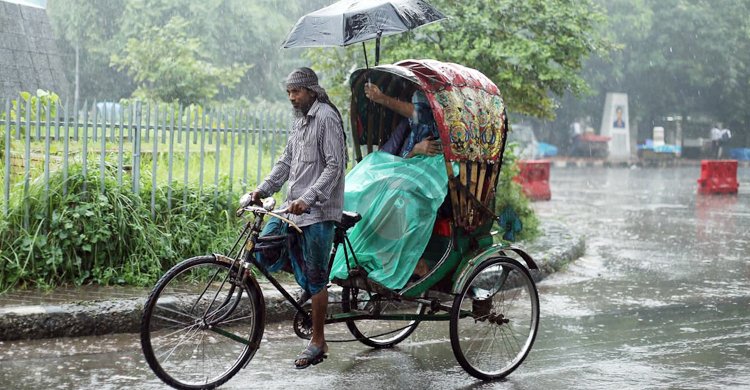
(313, 164)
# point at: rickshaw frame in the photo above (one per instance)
(483, 279)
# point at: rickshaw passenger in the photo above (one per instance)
(417, 133)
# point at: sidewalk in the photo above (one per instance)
(96, 310)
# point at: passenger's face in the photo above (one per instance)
(301, 98)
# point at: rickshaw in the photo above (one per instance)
(205, 318)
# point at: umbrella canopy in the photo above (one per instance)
(351, 21)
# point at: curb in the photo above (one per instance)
(552, 252)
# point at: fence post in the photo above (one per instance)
(188, 112)
(117, 121)
(103, 148)
(233, 128)
(66, 149)
(260, 122)
(246, 131)
(154, 154)
(6, 157)
(46, 160)
(85, 147)
(170, 112)
(217, 155)
(137, 150)
(203, 150)
(38, 118)
(76, 121)
(27, 161)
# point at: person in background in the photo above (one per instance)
(715, 140)
(726, 135)
(312, 164)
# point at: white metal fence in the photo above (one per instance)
(160, 145)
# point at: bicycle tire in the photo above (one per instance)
(492, 336)
(182, 319)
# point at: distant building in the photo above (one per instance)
(29, 57)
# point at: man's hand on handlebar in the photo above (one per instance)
(298, 207)
(255, 198)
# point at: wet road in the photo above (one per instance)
(661, 300)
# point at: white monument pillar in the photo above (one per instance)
(616, 125)
(658, 137)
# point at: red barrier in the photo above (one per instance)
(534, 179)
(718, 177)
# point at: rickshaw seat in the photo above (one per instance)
(348, 219)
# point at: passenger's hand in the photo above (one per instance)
(374, 93)
(298, 207)
(427, 147)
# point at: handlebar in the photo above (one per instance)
(267, 208)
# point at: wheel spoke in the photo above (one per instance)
(496, 337)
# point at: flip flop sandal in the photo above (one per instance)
(312, 355)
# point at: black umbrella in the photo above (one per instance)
(351, 21)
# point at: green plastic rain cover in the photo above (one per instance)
(398, 200)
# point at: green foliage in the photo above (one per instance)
(169, 66)
(86, 32)
(509, 194)
(44, 102)
(105, 237)
(230, 32)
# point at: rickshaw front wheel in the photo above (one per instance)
(494, 319)
(201, 324)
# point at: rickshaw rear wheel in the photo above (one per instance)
(379, 333)
(495, 318)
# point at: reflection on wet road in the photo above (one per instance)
(662, 297)
(660, 300)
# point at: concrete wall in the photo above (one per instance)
(29, 57)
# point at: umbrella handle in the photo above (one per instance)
(377, 47)
(364, 49)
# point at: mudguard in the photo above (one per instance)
(497, 250)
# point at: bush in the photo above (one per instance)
(510, 196)
(104, 237)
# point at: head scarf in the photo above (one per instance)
(306, 78)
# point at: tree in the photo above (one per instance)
(533, 50)
(169, 66)
(83, 25)
(229, 31)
